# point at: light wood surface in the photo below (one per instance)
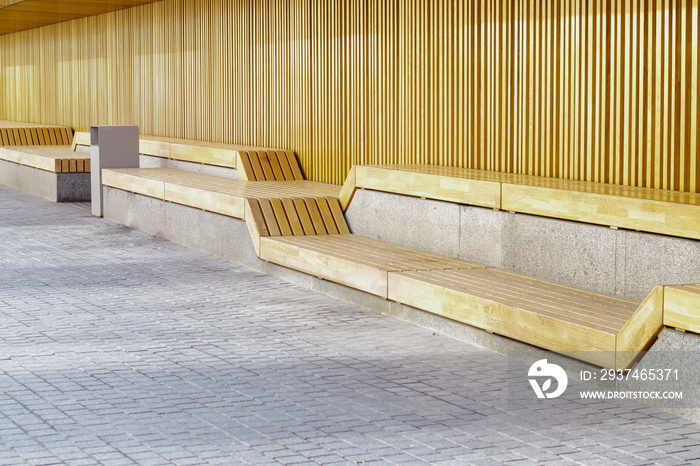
(351, 260)
(682, 307)
(210, 193)
(431, 183)
(634, 212)
(543, 313)
(268, 165)
(640, 332)
(55, 159)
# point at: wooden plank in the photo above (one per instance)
(641, 330)
(146, 147)
(3, 137)
(281, 217)
(625, 212)
(348, 190)
(347, 272)
(327, 216)
(34, 136)
(315, 215)
(202, 198)
(596, 346)
(276, 168)
(284, 164)
(20, 136)
(292, 216)
(682, 307)
(65, 137)
(258, 174)
(266, 167)
(52, 136)
(65, 166)
(40, 135)
(338, 216)
(255, 221)
(11, 137)
(270, 219)
(304, 216)
(80, 166)
(294, 165)
(245, 169)
(135, 184)
(72, 165)
(460, 190)
(202, 154)
(88, 167)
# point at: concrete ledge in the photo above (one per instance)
(622, 262)
(56, 187)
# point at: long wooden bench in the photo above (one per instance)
(603, 329)
(299, 224)
(643, 209)
(54, 159)
(253, 163)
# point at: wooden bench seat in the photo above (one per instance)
(207, 192)
(600, 328)
(643, 209)
(54, 159)
(357, 262)
(253, 163)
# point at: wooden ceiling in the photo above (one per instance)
(19, 15)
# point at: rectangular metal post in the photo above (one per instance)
(111, 147)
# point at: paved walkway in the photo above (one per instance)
(119, 348)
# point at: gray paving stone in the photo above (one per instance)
(119, 348)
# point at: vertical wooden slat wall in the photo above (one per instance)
(600, 90)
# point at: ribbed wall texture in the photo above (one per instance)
(594, 90)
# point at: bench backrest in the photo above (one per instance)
(35, 136)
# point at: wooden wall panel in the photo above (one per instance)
(600, 90)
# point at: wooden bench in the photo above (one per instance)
(207, 192)
(46, 148)
(600, 328)
(643, 209)
(299, 224)
(252, 163)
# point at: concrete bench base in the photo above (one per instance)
(56, 187)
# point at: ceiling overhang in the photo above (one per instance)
(20, 15)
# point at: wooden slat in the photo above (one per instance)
(292, 216)
(266, 166)
(294, 166)
(258, 172)
(255, 221)
(245, 169)
(327, 216)
(304, 216)
(282, 222)
(348, 191)
(270, 218)
(284, 164)
(276, 168)
(641, 330)
(315, 215)
(338, 216)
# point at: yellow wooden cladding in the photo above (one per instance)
(603, 91)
